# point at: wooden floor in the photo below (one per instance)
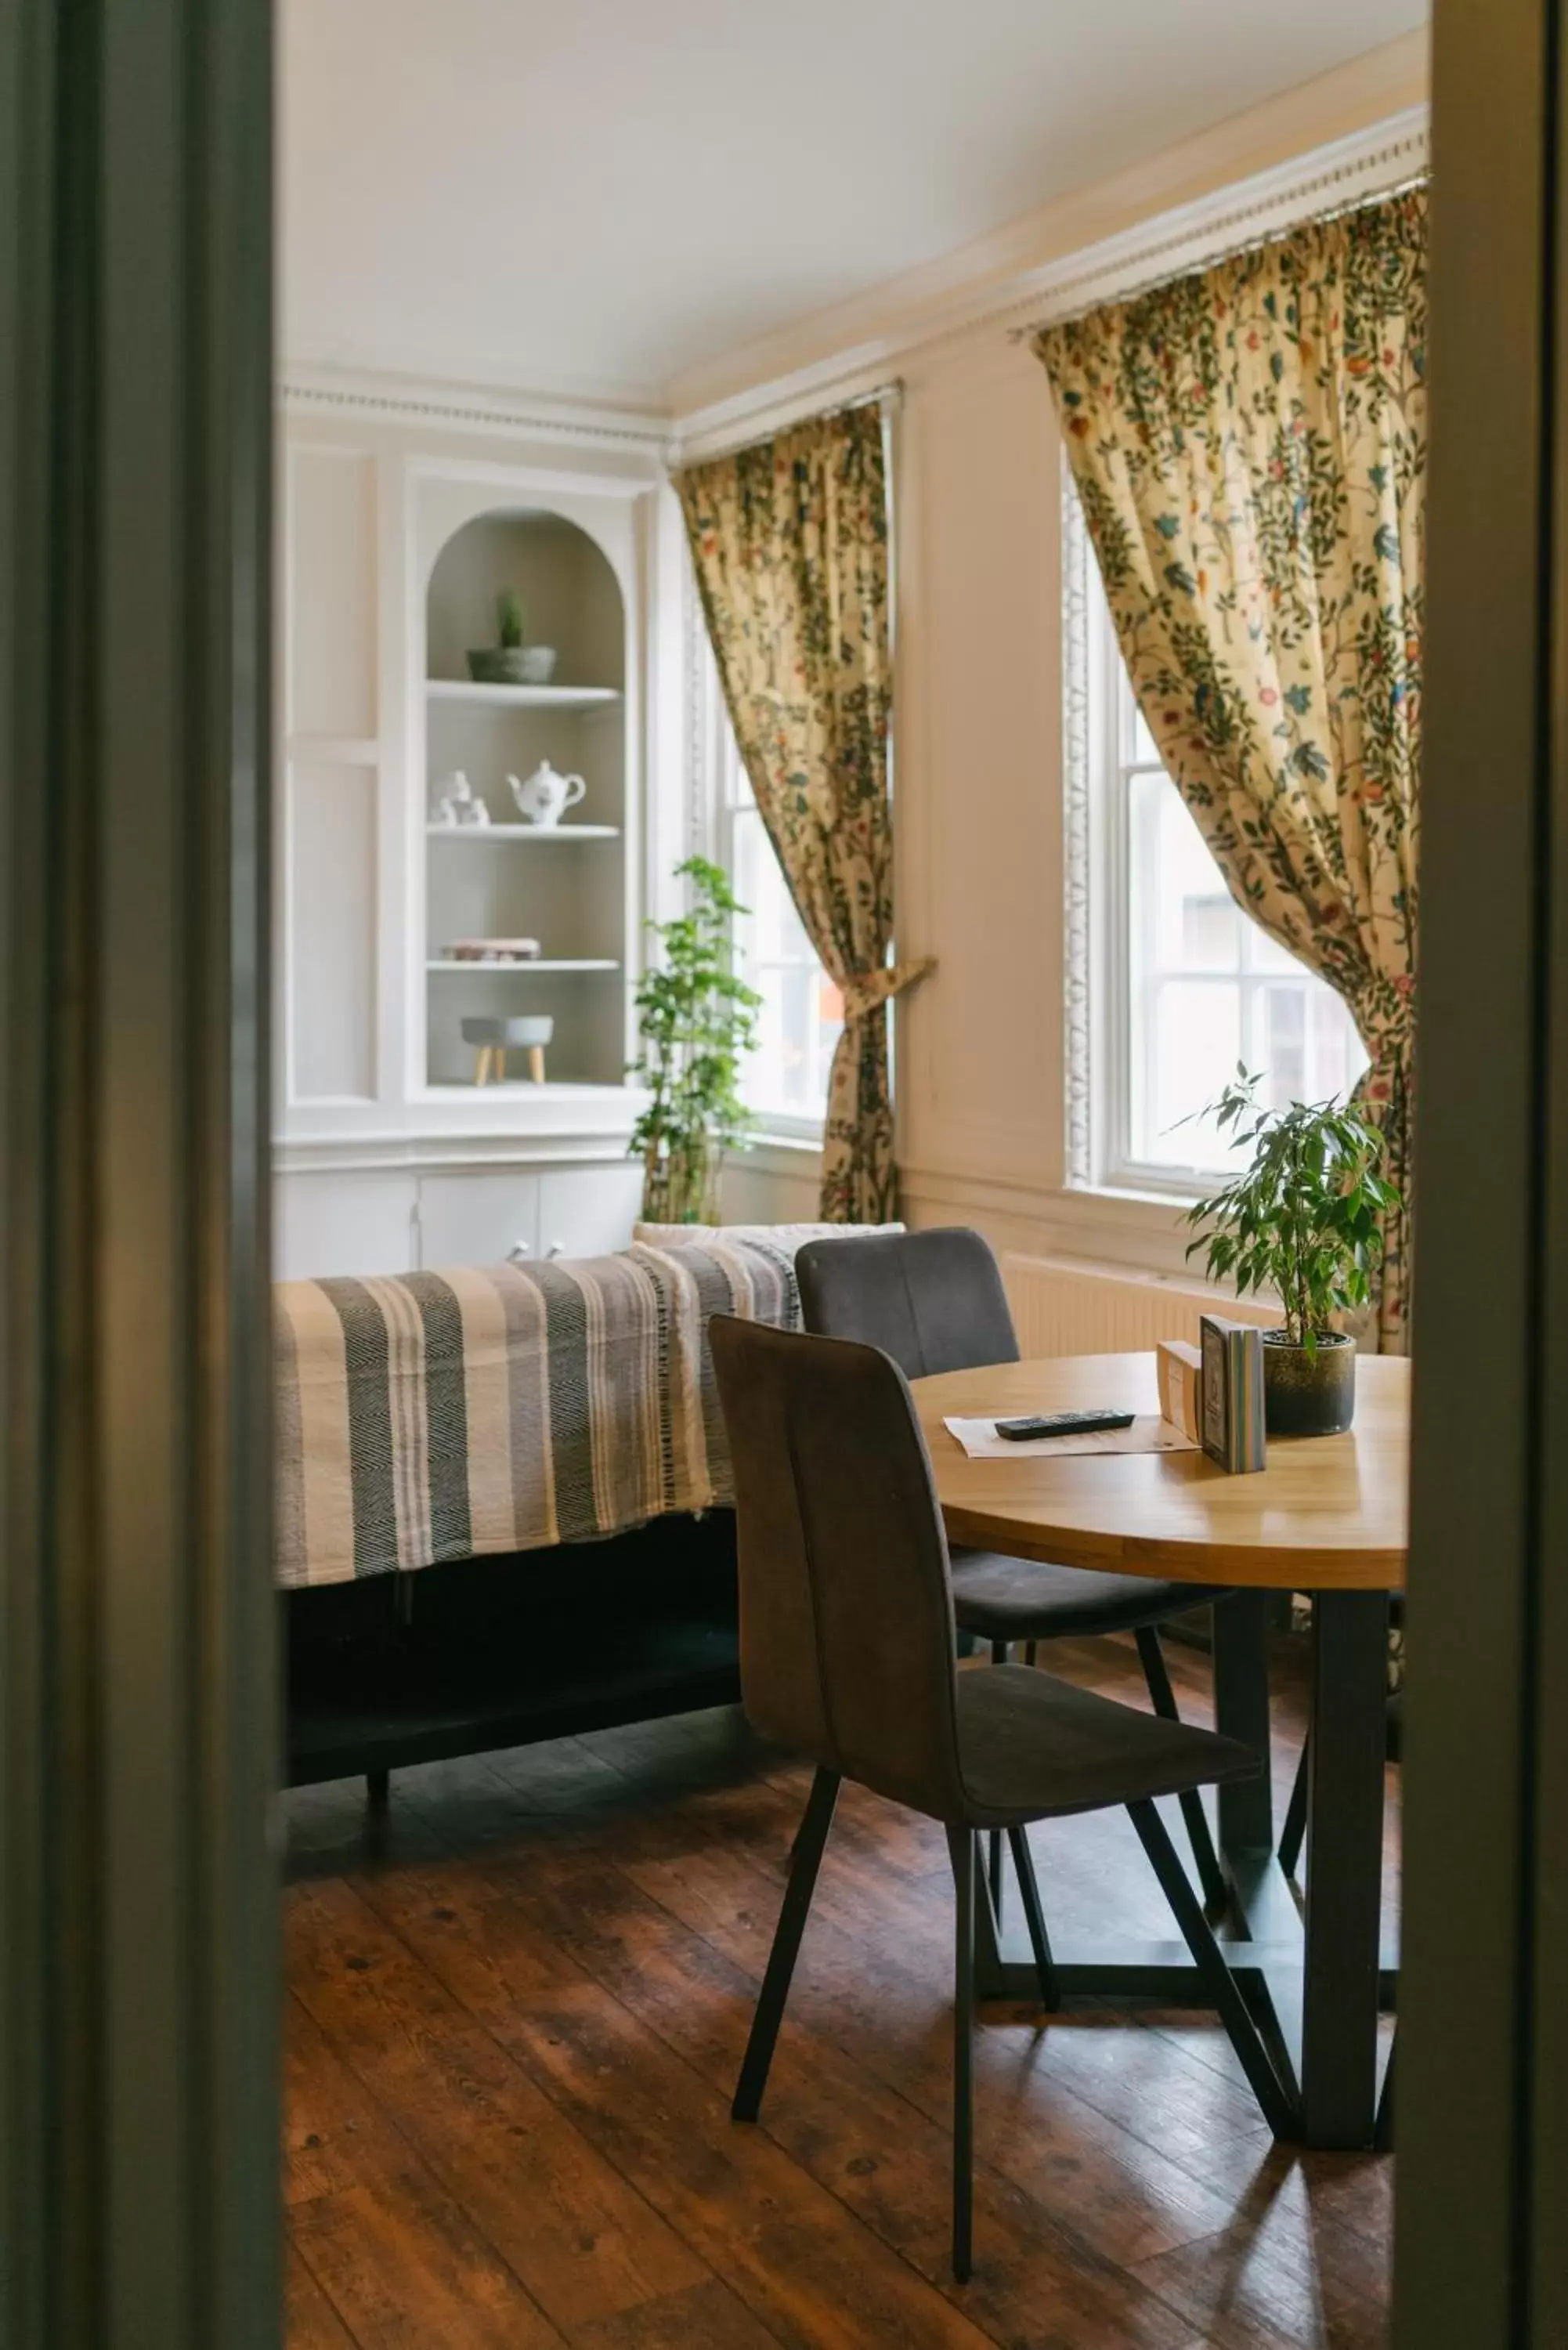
(513, 2036)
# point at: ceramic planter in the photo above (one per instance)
(512, 664)
(499, 665)
(1308, 1394)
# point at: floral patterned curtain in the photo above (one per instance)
(789, 538)
(1250, 449)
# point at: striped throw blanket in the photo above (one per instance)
(439, 1416)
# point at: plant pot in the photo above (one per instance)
(538, 664)
(501, 665)
(1308, 1394)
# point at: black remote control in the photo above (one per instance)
(1062, 1423)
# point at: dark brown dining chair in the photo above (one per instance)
(934, 1301)
(849, 1657)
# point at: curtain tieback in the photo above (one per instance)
(867, 992)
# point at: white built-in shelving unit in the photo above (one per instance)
(400, 526)
(544, 835)
(487, 881)
(521, 697)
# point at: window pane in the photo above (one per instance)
(1204, 989)
(802, 1012)
(1187, 1042)
(1185, 918)
(1141, 751)
(738, 789)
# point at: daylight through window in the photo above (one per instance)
(1192, 984)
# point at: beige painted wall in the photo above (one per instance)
(978, 741)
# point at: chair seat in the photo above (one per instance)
(1019, 1600)
(1032, 1747)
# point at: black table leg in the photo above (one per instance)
(1242, 1711)
(1344, 1868)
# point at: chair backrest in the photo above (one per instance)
(933, 1300)
(846, 1620)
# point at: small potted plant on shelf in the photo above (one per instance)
(697, 1021)
(510, 661)
(1305, 1221)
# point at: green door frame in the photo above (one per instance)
(1481, 2247)
(137, 1674)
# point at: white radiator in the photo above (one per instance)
(1069, 1305)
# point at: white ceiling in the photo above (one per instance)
(597, 195)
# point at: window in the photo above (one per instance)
(786, 1081)
(1184, 984)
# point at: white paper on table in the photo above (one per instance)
(1148, 1433)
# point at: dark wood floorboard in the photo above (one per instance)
(515, 2017)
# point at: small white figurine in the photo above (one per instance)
(460, 805)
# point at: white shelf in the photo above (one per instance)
(513, 970)
(523, 831)
(522, 696)
(558, 1090)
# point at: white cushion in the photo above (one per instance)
(787, 1236)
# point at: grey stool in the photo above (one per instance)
(934, 1301)
(849, 1657)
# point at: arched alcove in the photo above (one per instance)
(562, 884)
(561, 574)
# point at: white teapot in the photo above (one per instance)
(544, 798)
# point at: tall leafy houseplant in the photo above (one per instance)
(1306, 1220)
(697, 1021)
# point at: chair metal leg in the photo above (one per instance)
(1292, 1836)
(962, 1845)
(1278, 2105)
(1039, 1941)
(1000, 1652)
(1032, 1653)
(1210, 1875)
(809, 1846)
(378, 1792)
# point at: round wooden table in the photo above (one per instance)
(1326, 1515)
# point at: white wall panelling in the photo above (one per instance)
(331, 822)
(331, 538)
(359, 1223)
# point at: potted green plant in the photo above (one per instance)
(696, 1022)
(511, 660)
(1305, 1221)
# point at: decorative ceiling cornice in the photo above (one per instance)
(395, 399)
(1280, 201)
